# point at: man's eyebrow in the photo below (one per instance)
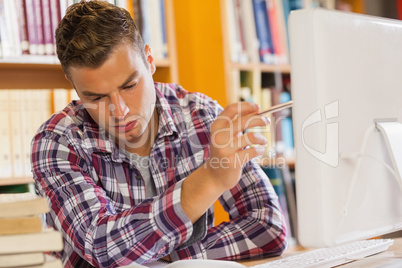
(90, 94)
(128, 80)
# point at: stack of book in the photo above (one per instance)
(24, 241)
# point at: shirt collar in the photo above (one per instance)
(167, 126)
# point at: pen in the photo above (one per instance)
(277, 108)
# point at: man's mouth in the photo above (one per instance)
(127, 127)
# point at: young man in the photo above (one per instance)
(132, 171)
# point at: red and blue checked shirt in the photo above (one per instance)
(97, 196)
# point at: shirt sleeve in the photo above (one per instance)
(87, 219)
(256, 227)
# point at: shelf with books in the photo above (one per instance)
(40, 72)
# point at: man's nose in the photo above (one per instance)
(118, 107)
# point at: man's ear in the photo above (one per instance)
(150, 59)
(71, 82)
(68, 79)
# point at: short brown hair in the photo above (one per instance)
(90, 31)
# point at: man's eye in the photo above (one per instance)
(96, 99)
(131, 86)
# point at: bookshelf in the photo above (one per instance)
(205, 63)
(29, 72)
(204, 59)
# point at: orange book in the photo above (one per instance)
(20, 225)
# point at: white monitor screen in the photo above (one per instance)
(346, 74)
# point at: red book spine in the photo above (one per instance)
(399, 8)
(39, 26)
(31, 26)
(55, 18)
(47, 27)
(23, 30)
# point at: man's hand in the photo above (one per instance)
(230, 146)
(230, 149)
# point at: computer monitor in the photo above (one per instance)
(346, 72)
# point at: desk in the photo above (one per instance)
(390, 258)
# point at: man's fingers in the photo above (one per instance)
(237, 109)
(246, 155)
(241, 123)
(249, 139)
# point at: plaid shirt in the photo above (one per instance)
(97, 196)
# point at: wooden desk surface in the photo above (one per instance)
(389, 259)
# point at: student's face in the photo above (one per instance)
(120, 94)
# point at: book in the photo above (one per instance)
(266, 103)
(48, 240)
(123, 4)
(249, 29)
(50, 262)
(26, 131)
(137, 14)
(146, 21)
(10, 12)
(263, 32)
(5, 144)
(239, 28)
(22, 259)
(6, 45)
(55, 17)
(20, 225)
(278, 29)
(286, 126)
(277, 119)
(39, 26)
(235, 46)
(23, 30)
(156, 29)
(200, 263)
(47, 26)
(16, 112)
(63, 8)
(31, 27)
(60, 99)
(22, 204)
(163, 29)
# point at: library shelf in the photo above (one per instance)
(15, 181)
(264, 68)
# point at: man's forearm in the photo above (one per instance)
(199, 192)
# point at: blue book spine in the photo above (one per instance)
(146, 21)
(287, 126)
(164, 40)
(296, 4)
(263, 31)
(286, 11)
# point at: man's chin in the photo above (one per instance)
(129, 140)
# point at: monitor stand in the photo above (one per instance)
(392, 132)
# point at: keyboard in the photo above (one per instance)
(332, 256)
